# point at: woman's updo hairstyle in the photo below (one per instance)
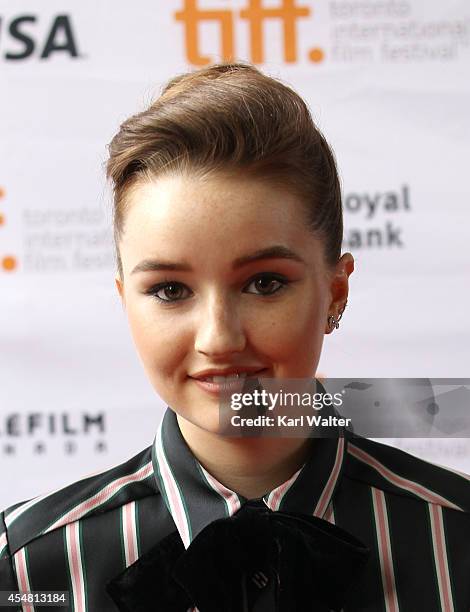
(230, 118)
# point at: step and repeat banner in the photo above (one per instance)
(387, 82)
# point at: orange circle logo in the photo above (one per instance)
(8, 263)
(316, 55)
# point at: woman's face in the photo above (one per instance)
(222, 274)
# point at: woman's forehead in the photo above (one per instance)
(180, 217)
(194, 203)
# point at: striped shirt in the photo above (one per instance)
(414, 516)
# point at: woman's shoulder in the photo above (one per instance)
(91, 495)
(398, 472)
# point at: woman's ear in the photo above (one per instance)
(120, 288)
(339, 286)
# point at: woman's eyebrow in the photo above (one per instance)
(153, 265)
(277, 251)
(273, 252)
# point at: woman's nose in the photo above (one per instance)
(219, 330)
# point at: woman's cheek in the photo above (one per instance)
(155, 337)
(292, 341)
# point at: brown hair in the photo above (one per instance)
(230, 117)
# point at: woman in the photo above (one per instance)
(228, 231)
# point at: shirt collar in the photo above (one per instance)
(194, 498)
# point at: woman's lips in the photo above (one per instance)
(230, 386)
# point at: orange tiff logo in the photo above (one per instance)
(255, 14)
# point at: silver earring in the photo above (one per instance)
(334, 323)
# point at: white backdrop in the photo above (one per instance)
(387, 82)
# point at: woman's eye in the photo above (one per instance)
(169, 292)
(172, 291)
(267, 284)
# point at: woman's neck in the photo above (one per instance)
(249, 466)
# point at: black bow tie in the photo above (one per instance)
(255, 561)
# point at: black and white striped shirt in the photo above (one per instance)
(414, 516)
